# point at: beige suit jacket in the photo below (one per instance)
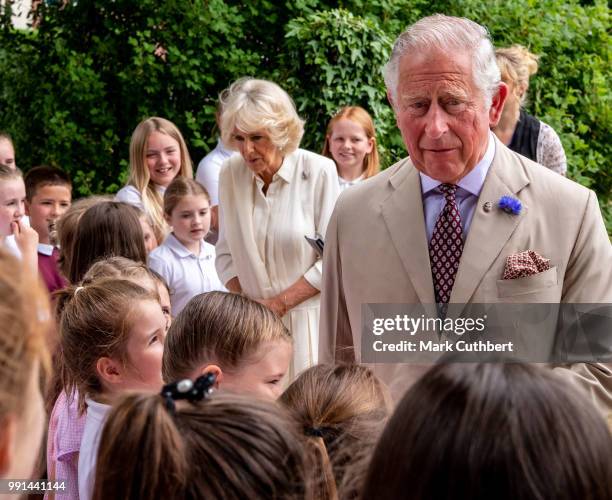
(376, 251)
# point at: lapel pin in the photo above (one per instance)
(487, 206)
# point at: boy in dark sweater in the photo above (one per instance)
(48, 196)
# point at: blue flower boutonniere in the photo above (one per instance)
(510, 205)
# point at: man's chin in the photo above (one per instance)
(447, 173)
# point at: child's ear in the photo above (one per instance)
(7, 439)
(109, 371)
(214, 369)
(167, 218)
(370, 145)
(27, 208)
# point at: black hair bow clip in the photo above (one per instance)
(187, 389)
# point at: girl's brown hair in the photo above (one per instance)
(120, 267)
(218, 327)
(226, 448)
(178, 189)
(113, 267)
(95, 323)
(105, 230)
(139, 173)
(371, 162)
(24, 315)
(341, 409)
(66, 229)
(483, 431)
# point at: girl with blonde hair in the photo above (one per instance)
(158, 154)
(15, 236)
(351, 142)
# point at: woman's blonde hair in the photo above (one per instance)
(178, 189)
(25, 319)
(219, 327)
(139, 173)
(371, 162)
(251, 105)
(516, 65)
(341, 409)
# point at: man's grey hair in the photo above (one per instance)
(448, 34)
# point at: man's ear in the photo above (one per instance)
(497, 104)
(214, 369)
(8, 427)
(390, 99)
(109, 371)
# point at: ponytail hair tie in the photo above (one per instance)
(78, 289)
(321, 432)
(189, 390)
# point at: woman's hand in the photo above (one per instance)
(234, 285)
(276, 305)
(297, 293)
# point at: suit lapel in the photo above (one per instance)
(489, 231)
(403, 216)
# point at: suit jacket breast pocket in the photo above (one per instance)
(528, 284)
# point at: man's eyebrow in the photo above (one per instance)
(411, 95)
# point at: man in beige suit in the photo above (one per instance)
(386, 234)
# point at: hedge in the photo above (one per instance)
(74, 87)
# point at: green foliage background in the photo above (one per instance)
(74, 88)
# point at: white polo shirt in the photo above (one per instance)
(187, 274)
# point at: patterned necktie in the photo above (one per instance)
(446, 246)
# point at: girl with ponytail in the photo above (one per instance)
(112, 333)
(228, 448)
(341, 410)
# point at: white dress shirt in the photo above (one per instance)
(88, 455)
(208, 170)
(186, 274)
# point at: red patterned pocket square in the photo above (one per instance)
(525, 263)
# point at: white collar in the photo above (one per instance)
(183, 252)
(45, 249)
(344, 182)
